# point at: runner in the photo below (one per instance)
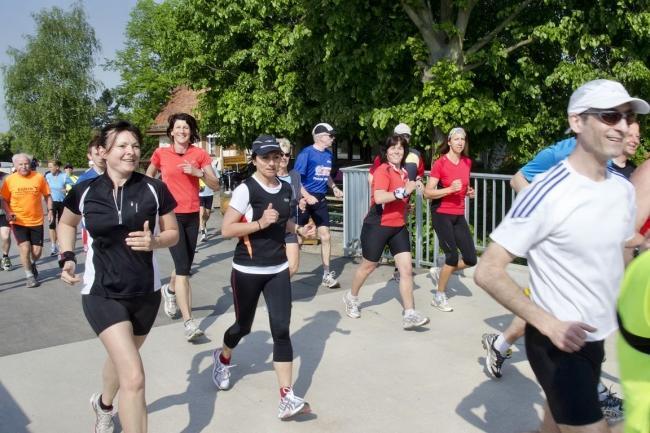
(127, 216)
(571, 224)
(292, 177)
(22, 192)
(5, 231)
(314, 163)
(259, 214)
(182, 165)
(623, 164)
(448, 185)
(58, 182)
(97, 167)
(69, 170)
(206, 200)
(385, 225)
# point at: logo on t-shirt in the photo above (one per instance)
(322, 170)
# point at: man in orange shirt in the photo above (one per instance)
(21, 193)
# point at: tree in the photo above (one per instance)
(6, 145)
(49, 87)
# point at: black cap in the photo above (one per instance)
(323, 128)
(68, 165)
(265, 144)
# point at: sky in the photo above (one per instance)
(107, 17)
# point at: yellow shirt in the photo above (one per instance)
(23, 194)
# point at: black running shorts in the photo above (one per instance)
(206, 202)
(375, 237)
(570, 380)
(102, 313)
(33, 235)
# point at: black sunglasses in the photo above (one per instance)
(288, 155)
(612, 117)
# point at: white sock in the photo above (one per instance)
(501, 344)
(28, 274)
(408, 312)
(353, 298)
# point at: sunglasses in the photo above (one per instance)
(288, 155)
(612, 117)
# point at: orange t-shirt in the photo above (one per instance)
(184, 187)
(24, 195)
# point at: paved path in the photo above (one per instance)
(365, 375)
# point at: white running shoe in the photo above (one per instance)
(440, 302)
(170, 307)
(192, 331)
(414, 319)
(329, 280)
(291, 405)
(220, 371)
(351, 306)
(104, 419)
(204, 235)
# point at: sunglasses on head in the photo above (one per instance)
(612, 117)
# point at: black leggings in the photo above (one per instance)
(453, 233)
(183, 252)
(246, 289)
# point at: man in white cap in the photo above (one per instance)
(571, 224)
(314, 163)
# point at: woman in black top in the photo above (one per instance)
(259, 215)
(127, 215)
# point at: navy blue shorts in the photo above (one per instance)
(33, 235)
(318, 212)
(206, 202)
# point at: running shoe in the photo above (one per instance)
(32, 282)
(396, 275)
(493, 358)
(414, 319)
(612, 407)
(6, 263)
(204, 235)
(170, 306)
(34, 270)
(192, 331)
(441, 303)
(291, 405)
(351, 306)
(435, 275)
(54, 250)
(104, 419)
(220, 371)
(329, 280)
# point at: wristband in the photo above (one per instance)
(399, 193)
(636, 251)
(67, 256)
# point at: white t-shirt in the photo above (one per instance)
(240, 201)
(572, 230)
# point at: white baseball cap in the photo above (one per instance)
(603, 94)
(402, 129)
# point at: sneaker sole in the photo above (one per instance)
(306, 408)
(444, 310)
(334, 286)
(196, 334)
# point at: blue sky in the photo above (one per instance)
(107, 17)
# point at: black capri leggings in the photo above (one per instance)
(246, 289)
(57, 211)
(183, 252)
(453, 233)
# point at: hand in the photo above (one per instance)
(456, 185)
(302, 204)
(308, 231)
(409, 187)
(311, 199)
(419, 185)
(142, 241)
(470, 192)
(337, 192)
(568, 336)
(50, 216)
(270, 216)
(68, 273)
(188, 168)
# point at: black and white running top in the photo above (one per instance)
(263, 248)
(113, 269)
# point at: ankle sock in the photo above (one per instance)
(103, 407)
(501, 344)
(223, 359)
(284, 391)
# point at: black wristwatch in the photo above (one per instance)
(636, 251)
(67, 256)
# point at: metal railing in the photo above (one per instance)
(493, 198)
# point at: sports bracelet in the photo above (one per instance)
(67, 256)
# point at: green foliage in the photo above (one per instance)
(49, 88)
(6, 144)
